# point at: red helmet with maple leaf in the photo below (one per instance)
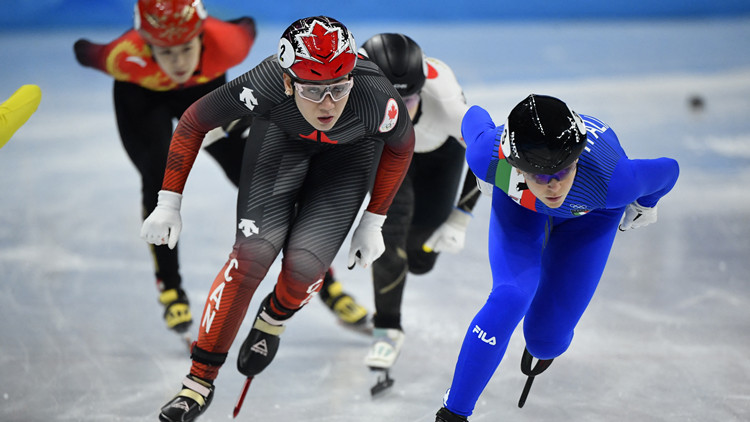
(317, 49)
(166, 23)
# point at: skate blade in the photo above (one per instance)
(364, 327)
(383, 381)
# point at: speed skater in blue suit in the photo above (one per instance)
(561, 186)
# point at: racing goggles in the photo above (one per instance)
(316, 93)
(544, 179)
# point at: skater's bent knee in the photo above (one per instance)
(303, 265)
(421, 262)
(258, 251)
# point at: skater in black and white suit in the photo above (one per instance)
(425, 217)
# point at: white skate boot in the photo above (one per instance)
(383, 353)
(385, 348)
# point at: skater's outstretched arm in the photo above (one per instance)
(17, 109)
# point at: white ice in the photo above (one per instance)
(666, 338)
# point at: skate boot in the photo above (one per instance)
(382, 355)
(190, 402)
(176, 310)
(261, 344)
(385, 348)
(349, 312)
(445, 415)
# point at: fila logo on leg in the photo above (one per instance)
(482, 335)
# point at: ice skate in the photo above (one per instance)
(350, 314)
(531, 371)
(445, 415)
(382, 355)
(260, 346)
(258, 349)
(176, 310)
(190, 402)
(177, 314)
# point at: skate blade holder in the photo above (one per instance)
(531, 370)
(383, 381)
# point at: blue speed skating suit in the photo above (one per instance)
(546, 263)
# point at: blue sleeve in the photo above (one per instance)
(479, 133)
(645, 181)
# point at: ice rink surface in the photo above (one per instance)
(666, 337)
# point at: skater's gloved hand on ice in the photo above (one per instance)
(636, 215)
(477, 123)
(367, 240)
(451, 235)
(164, 224)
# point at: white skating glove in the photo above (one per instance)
(450, 236)
(164, 224)
(637, 216)
(367, 240)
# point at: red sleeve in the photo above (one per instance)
(226, 44)
(126, 59)
(97, 55)
(394, 163)
(186, 142)
(89, 54)
(214, 109)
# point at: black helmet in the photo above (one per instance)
(542, 135)
(401, 59)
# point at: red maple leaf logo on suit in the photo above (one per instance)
(390, 118)
(393, 111)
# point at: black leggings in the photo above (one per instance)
(421, 205)
(145, 119)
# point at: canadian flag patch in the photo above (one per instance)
(391, 116)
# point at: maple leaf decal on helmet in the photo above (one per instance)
(317, 49)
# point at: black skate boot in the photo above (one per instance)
(190, 402)
(262, 343)
(176, 310)
(445, 415)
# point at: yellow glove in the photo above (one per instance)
(17, 109)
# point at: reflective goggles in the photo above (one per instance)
(544, 179)
(316, 93)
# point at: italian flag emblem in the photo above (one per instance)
(509, 179)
